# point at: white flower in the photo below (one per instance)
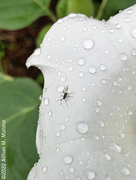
(87, 117)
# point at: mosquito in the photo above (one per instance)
(66, 95)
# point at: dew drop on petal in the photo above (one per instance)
(44, 169)
(133, 52)
(62, 127)
(60, 89)
(68, 159)
(37, 52)
(103, 81)
(120, 40)
(81, 61)
(127, 20)
(46, 101)
(90, 175)
(118, 26)
(99, 103)
(88, 44)
(50, 113)
(63, 79)
(77, 178)
(62, 39)
(82, 128)
(115, 147)
(60, 21)
(123, 57)
(102, 67)
(133, 32)
(107, 157)
(107, 178)
(72, 15)
(130, 11)
(71, 170)
(58, 134)
(92, 70)
(125, 171)
(81, 74)
(83, 89)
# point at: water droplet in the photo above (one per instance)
(127, 20)
(130, 113)
(103, 81)
(81, 61)
(71, 68)
(92, 70)
(115, 147)
(58, 134)
(84, 29)
(88, 44)
(62, 39)
(82, 128)
(81, 74)
(96, 137)
(77, 178)
(120, 40)
(49, 56)
(102, 67)
(115, 83)
(133, 32)
(96, 109)
(133, 52)
(37, 52)
(60, 21)
(40, 97)
(60, 89)
(63, 79)
(118, 26)
(99, 103)
(68, 159)
(50, 113)
(101, 123)
(111, 30)
(90, 175)
(64, 28)
(130, 11)
(70, 60)
(62, 127)
(72, 15)
(107, 178)
(123, 57)
(107, 157)
(71, 170)
(83, 89)
(44, 169)
(125, 171)
(106, 52)
(46, 101)
(83, 100)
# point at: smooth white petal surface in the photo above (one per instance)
(87, 117)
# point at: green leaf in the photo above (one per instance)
(65, 7)
(42, 34)
(16, 14)
(18, 107)
(110, 7)
(61, 8)
(80, 6)
(4, 77)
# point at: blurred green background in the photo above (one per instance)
(23, 24)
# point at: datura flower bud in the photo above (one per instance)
(87, 117)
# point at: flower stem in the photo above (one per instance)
(100, 10)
